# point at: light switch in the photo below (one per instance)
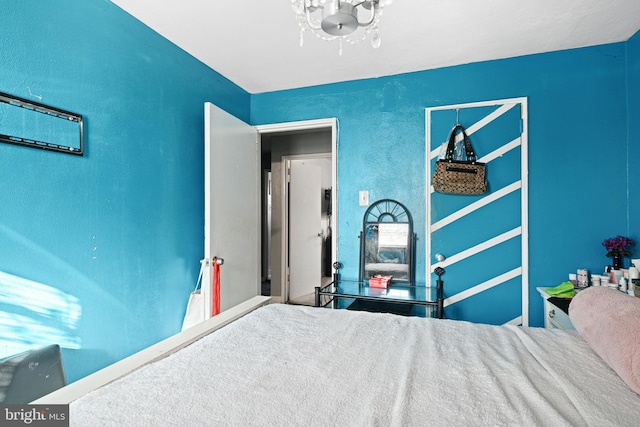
(363, 198)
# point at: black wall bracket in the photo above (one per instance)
(24, 118)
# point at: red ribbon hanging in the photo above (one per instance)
(215, 298)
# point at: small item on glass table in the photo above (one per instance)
(379, 281)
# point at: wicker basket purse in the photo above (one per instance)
(459, 176)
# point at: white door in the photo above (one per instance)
(305, 228)
(485, 234)
(232, 207)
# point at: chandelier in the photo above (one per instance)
(338, 19)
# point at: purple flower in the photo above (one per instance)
(618, 246)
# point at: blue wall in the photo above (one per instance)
(117, 232)
(577, 148)
(633, 125)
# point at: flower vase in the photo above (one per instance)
(617, 262)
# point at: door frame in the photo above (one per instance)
(293, 127)
(285, 206)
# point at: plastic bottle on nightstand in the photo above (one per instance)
(634, 280)
(623, 284)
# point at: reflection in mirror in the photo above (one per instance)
(386, 250)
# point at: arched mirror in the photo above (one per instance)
(387, 242)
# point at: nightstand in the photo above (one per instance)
(556, 311)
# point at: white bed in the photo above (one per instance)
(291, 365)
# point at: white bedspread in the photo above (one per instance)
(300, 366)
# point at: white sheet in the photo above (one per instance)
(291, 365)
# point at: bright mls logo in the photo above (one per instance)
(34, 415)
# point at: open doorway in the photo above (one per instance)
(314, 147)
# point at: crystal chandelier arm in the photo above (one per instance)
(307, 13)
(372, 13)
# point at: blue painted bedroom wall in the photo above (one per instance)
(104, 248)
(633, 125)
(577, 148)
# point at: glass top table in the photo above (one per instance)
(396, 292)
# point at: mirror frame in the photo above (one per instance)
(387, 211)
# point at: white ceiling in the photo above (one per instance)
(255, 43)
